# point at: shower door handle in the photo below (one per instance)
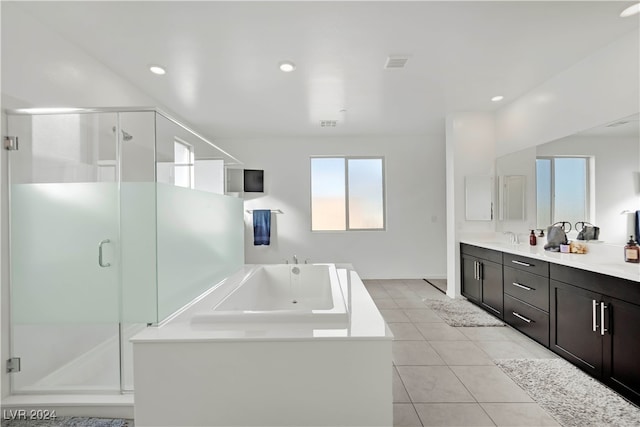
(100, 245)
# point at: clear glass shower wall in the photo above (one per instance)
(99, 249)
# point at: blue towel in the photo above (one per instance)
(637, 236)
(261, 227)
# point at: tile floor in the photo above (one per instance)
(445, 376)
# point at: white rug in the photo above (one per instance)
(569, 395)
(460, 312)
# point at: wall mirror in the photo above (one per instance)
(512, 190)
(593, 173)
(478, 198)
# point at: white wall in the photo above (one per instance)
(470, 151)
(413, 245)
(602, 88)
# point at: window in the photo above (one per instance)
(562, 189)
(347, 193)
(183, 164)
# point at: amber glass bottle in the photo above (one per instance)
(632, 251)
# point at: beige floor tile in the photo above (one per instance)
(409, 302)
(405, 332)
(404, 415)
(461, 353)
(440, 332)
(415, 353)
(518, 414)
(385, 303)
(378, 293)
(536, 350)
(452, 414)
(505, 350)
(490, 384)
(426, 384)
(394, 315)
(422, 315)
(399, 392)
(488, 333)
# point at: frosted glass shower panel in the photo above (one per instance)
(200, 242)
(61, 272)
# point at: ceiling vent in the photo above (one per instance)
(395, 62)
(328, 123)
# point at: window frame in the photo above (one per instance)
(589, 196)
(190, 166)
(346, 192)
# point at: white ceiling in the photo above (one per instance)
(222, 57)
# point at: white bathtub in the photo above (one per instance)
(246, 344)
(281, 293)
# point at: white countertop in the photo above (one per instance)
(365, 323)
(601, 258)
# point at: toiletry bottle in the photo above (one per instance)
(632, 251)
(532, 239)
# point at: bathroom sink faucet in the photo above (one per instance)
(513, 237)
(295, 259)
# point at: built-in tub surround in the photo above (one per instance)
(601, 257)
(327, 363)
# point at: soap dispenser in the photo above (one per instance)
(632, 251)
(532, 239)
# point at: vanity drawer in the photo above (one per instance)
(528, 287)
(527, 264)
(483, 253)
(527, 319)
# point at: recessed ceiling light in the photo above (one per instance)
(287, 66)
(631, 10)
(156, 69)
(497, 98)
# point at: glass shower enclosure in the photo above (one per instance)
(117, 219)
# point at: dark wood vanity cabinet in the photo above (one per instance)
(482, 278)
(590, 319)
(526, 299)
(595, 324)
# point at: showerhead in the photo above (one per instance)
(125, 136)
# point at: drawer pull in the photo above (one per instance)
(524, 264)
(521, 317)
(526, 288)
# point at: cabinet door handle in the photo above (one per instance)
(521, 317)
(480, 271)
(524, 264)
(603, 329)
(594, 315)
(475, 270)
(100, 245)
(526, 288)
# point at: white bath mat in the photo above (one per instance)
(460, 312)
(569, 395)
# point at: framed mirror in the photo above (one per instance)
(478, 198)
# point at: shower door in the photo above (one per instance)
(64, 252)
